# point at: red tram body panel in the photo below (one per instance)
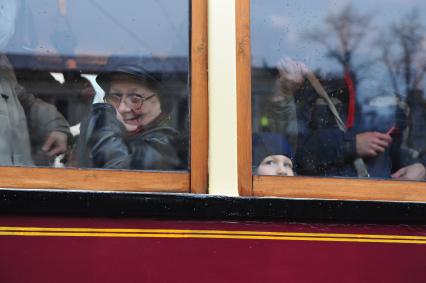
(54, 249)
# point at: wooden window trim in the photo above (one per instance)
(242, 10)
(298, 187)
(199, 98)
(194, 181)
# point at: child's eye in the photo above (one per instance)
(269, 162)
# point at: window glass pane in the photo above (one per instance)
(338, 88)
(96, 84)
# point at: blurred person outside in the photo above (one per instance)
(325, 150)
(280, 113)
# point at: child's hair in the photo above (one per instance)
(266, 144)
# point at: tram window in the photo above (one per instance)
(339, 90)
(99, 85)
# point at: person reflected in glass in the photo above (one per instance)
(130, 130)
(280, 112)
(325, 150)
(272, 155)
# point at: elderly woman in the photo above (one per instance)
(130, 130)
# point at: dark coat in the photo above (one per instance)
(324, 150)
(104, 143)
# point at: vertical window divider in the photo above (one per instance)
(199, 98)
(245, 184)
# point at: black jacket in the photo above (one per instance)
(104, 143)
(324, 150)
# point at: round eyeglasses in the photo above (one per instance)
(133, 100)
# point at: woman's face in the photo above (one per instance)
(138, 105)
(276, 165)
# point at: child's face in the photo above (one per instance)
(278, 165)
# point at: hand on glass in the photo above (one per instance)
(370, 144)
(291, 75)
(415, 172)
(55, 144)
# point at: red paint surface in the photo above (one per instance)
(88, 259)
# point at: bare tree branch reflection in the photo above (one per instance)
(342, 35)
(403, 52)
